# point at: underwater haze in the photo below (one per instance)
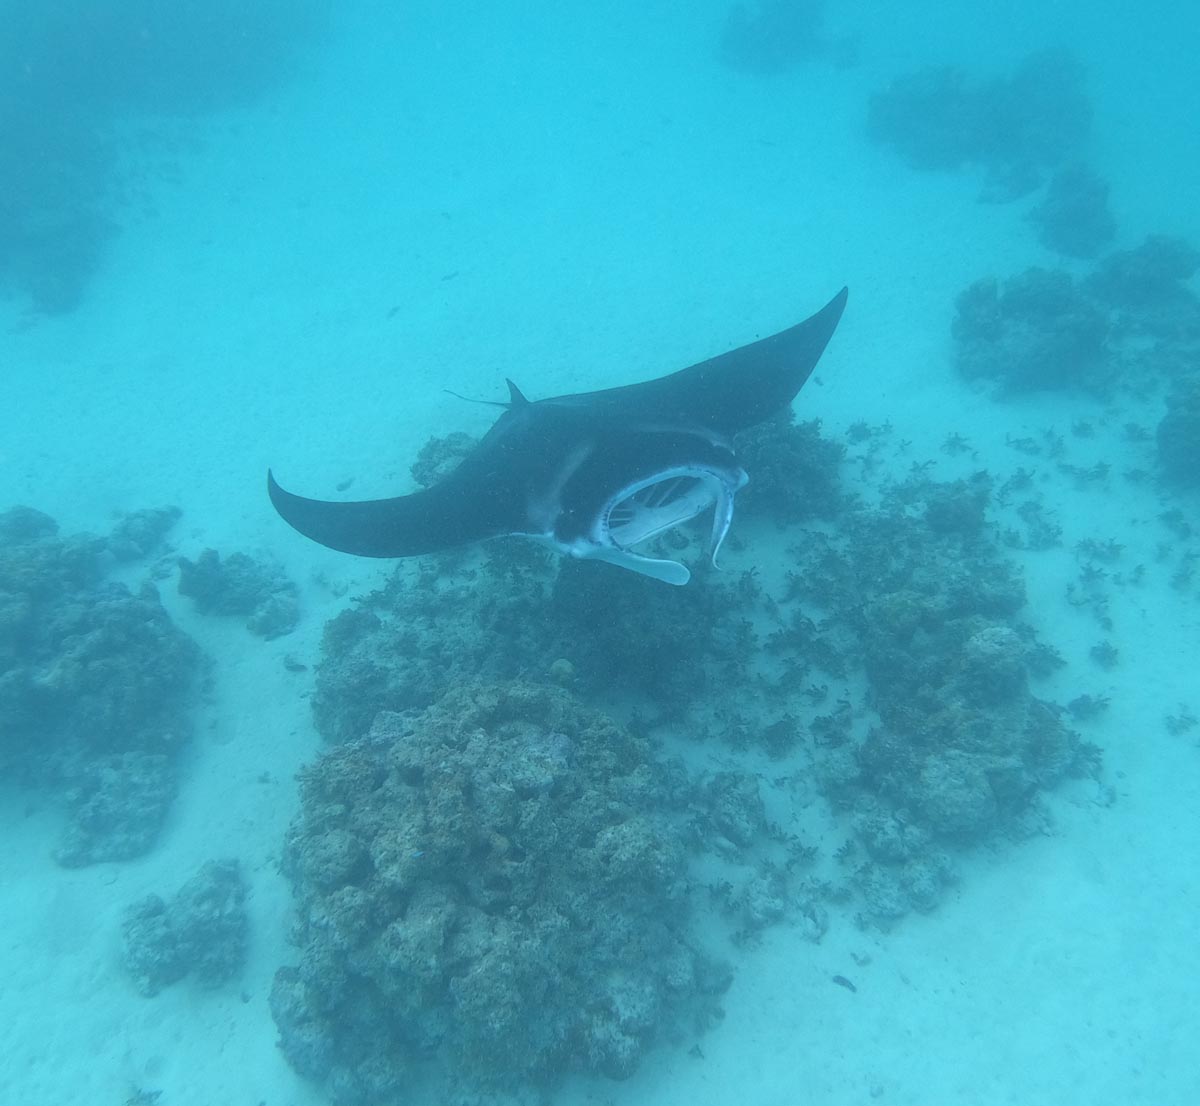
(898, 805)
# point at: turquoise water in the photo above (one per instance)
(929, 733)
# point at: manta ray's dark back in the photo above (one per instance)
(732, 391)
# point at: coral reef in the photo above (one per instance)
(1178, 436)
(201, 932)
(1133, 319)
(55, 187)
(491, 892)
(140, 533)
(406, 644)
(241, 586)
(963, 747)
(1015, 128)
(521, 612)
(1036, 330)
(117, 803)
(621, 631)
(913, 597)
(95, 686)
(69, 73)
(1073, 217)
(796, 475)
(1150, 281)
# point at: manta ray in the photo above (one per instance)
(594, 474)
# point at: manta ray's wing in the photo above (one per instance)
(482, 498)
(732, 391)
(404, 526)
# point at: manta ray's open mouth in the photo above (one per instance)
(655, 507)
(669, 499)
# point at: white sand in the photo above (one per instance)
(574, 202)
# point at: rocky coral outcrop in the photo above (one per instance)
(492, 890)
